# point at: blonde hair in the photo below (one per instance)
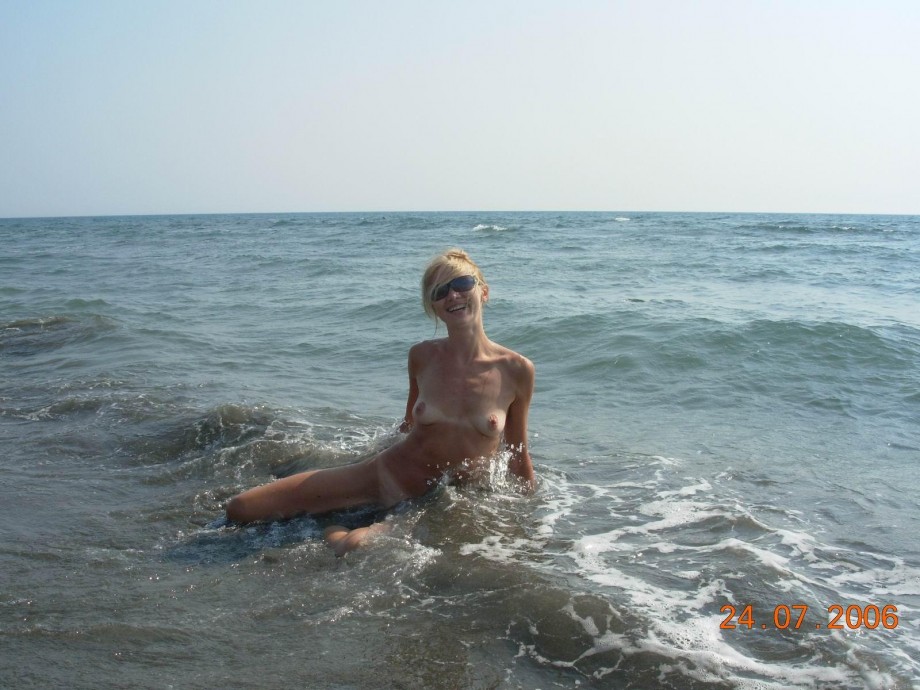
(443, 268)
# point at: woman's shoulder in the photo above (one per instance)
(516, 362)
(423, 351)
(426, 347)
(522, 371)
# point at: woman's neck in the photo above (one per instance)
(467, 342)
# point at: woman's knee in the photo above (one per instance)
(248, 507)
(238, 510)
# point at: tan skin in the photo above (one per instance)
(466, 393)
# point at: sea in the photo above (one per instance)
(725, 430)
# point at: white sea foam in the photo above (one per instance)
(500, 549)
(891, 578)
(678, 624)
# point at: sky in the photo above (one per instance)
(202, 106)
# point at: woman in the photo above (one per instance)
(466, 393)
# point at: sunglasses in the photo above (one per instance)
(460, 284)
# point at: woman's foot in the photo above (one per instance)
(342, 540)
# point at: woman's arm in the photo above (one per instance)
(413, 389)
(520, 463)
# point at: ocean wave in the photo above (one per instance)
(485, 227)
(242, 445)
(826, 367)
(36, 335)
(781, 345)
(39, 323)
(286, 223)
(60, 409)
(195, 446)
(832, 226)
(833, 342)
(80, 303)
(111, 401)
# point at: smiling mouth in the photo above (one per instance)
(456, 308)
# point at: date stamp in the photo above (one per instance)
(792, 616)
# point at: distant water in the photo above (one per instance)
(727, 413)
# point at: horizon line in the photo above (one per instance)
(481, 211)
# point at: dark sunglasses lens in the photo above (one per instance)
(461, 284)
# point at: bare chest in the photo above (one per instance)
(479, 396)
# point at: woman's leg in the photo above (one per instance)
(317, 491)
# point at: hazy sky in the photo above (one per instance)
(196, 106)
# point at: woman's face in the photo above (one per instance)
(461, 302)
